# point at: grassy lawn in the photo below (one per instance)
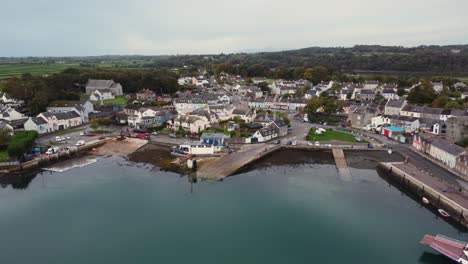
(4, 156)
(119, 100)
(330, 135)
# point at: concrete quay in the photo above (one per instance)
(441, 195)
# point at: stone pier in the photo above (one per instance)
(341, 164)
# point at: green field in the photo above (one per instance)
(8, 71)
(330, 135)
(119, 100)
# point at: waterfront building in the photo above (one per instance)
(445, 152)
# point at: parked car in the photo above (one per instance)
(58, 139)
(289, 143)
(80, 143)
(277, 142)
(102, 137)
(154, 133)
(172, 136)
(82, 133)
(52, 151)
(67, 137)
(317, 144)
(309, 143)
(369, 145)
(294, 143)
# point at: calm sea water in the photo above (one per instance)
(110, 212)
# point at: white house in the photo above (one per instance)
(390, 94)
(264, 134)
(438, 86)
(10, 114)
(193, 124)
(38, 124)
(101, 94)
(142, 117)
(225, 99)
(245, 114)
(82, 108)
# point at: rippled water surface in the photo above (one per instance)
(115, 212)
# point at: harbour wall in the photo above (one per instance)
(51, 159)
(437, 199)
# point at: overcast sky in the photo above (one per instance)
(154, 27)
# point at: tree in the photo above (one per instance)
(5, 136)
(317, 74)
(21, 143)
(401, 91)
(264, 87)
(94, 124)
(422, 94)
(313, 105)
(453, 105)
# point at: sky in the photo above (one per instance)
(159, 27)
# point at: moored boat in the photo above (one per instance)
(425, 200)
(443, 213)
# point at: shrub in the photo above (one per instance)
(21, 143)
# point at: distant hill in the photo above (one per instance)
(423, 60)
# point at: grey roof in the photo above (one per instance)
(367, 91)
(447, 147)
(38, 120)
(280, 123)
(433, 111)
(388, 91)
(102, 84)
(395, 103)
(3, 124)
(103, 90)
(267, 131)
(403, 118)
(61, 116)
(67, 115)
(459, 112)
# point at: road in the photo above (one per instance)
(419, 161)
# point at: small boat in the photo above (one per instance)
(389, 151)
(425, 200)
(443, 213)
